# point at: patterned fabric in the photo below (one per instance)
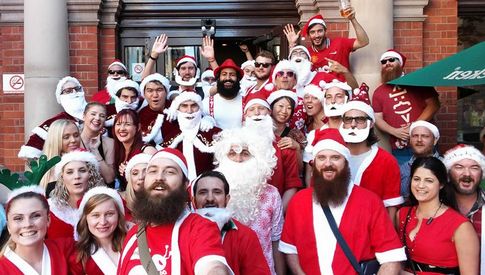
(475, 214)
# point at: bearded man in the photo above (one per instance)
(466, 168)
(248, 163)
(308, 241)
(70, 94)
(116, 72)
(396, 107)
(367, 159)
(169, 239)
(226, 105)
(263, 64)
(186, 135)
(257, 119)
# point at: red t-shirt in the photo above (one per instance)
(400, 106)
(338, 50)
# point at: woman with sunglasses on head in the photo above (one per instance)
(100, 231)
(92, 139)
(128, 142)
(27, 251)
(77, 172)
(437, 238)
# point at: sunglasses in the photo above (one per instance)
(209, 79)
(116, 72)
(265, 65)
(288, 74)
(358, 119)
(71, 90)
(392, 59)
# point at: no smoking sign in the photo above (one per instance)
(13, 83)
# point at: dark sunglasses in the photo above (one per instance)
(288, 74)
(392, 59)
(358, 119)
(66, 91)
(116, 72)
(265, 65)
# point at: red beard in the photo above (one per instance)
(390, 74)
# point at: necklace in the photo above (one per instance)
(430, 220)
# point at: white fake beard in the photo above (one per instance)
(74, 104)
(178, 80)
(304, 69)
(189, 121)
(218, 215)
(264, 127)
(111, 85)
(246, 181)
(121, 105)
(207, 84)
(360, 134)
(332, 110)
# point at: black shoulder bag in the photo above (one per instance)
(365, 268)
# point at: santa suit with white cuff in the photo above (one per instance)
(361, 219)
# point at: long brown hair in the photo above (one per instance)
(87, 241)
(120, 153)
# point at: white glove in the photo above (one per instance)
(171, 114)
(206, 123)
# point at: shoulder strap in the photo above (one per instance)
(348, 253)
(145, 257)
(211, 106)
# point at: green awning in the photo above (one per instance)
(466, 68)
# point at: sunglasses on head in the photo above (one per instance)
(265, 65)
(116, 72)
(288, 74)
(392, 59)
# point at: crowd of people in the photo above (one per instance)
(270, 167)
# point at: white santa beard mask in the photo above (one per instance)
(332, 110)
(189, 121)
(120, 105)
(74, 104)
(304, 69)
(218, 215)
(191, 82)
(360, 134)
(262, 124)
(111, 81)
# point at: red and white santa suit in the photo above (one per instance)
(180, 248)
(55, 259)
(73, 105)
(185, 135)
(150, 120)
(118, 104)
(307, 233)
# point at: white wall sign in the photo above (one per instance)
(136, 70)
(13, 83)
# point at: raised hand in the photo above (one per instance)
(159, 46)
(336, 67)
(207, 48)
(244, 48)
(291, 35)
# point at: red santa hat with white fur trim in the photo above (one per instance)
(121, 84)
(299, 47)
(342, 85)
(255, 98)
(393, 53)
(316, 19)
(463, 151)
(135, 160)
(329, 139)
(182, 97)
(315, 91)
(117, 62)
(281, 93)
(284, 65)
(359, 105)
(158, 77)
(174, 155)
(77, 155)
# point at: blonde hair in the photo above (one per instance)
(130, 195)
(53, 145)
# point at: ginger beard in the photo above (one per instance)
(156, 209)
(246, 181)
(331, 192)
(390, 72)
(262, 125)
(355, 135)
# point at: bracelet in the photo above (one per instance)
(152, 58)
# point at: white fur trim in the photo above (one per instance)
(168, 155)
(75, 156)
(429, 126)
(359, 105)
(287, 248)
(65, 213)
(342, 85)
(104, 262)
(465, 152)
(40, 132)
(256, 101)
(25, 189)
(207, 73)
(29, 152)
(393, 202)
(137, 159)
(152, 77)
(299, 47)
(185, 96)
(316, 21)
(156, 129)
(281, 93)
(393, 255)
(315, 91)
(119, 64)
(128, 83)
(247, 63)
(206, 260)
(391, 54)
(25, 267)
(284, 65)
(189, 59)
(330, 144)
(64, 81)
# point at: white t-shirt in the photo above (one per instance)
(227, 113)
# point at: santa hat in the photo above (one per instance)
(299, 47)
(395, 54)
(77, 155)
(25, 189)
(342, 85)
(182, 97)
(362, 93)
(329, 139)
(274, 96)
(315, 91)
(255, 98)
(153, 77)
(121, 84)
(117, 62)
(64, 81)
(247, 63)
(316, 19)
(229, 63)
(361, 106)
(284, 65)
(175, 155)
(207, 73)
(462, 151)
(185, 59)
(136, 159)
(429, 126)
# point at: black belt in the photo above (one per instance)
(432, 268)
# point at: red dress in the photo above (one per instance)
(433, 243)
